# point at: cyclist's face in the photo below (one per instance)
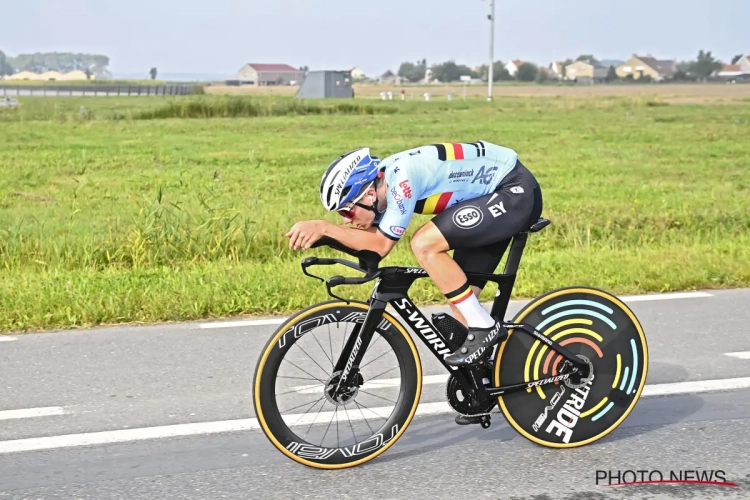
(356, 214)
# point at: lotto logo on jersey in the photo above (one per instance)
(406, 188)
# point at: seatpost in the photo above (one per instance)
(505, 287)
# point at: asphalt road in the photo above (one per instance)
(58, 390)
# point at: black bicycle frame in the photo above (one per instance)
(392, 288)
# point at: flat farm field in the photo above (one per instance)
(165, 209)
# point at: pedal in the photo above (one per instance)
(483, 420)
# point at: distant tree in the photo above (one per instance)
(736, 58)
(586, 57)
(705, 65)
(541, 76)
(88, 73)
(153, 73)
(499, 72)
(449, 71)
(412, 72)
(60, 61)
(304, 69)
(526, 72)
(611, 74)
(5, 67)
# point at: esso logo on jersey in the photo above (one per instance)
(468, 217)
(397, 230)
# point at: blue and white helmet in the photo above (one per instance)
(345, 177)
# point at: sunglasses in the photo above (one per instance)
(347, 212)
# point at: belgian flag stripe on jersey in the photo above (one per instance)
(450, 151)
(433, 204)
(440, 151)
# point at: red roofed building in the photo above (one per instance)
(270, 74)
(737, 71)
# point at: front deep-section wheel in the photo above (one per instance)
(302, 408)
(598, 328)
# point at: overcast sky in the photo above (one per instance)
(218, 36)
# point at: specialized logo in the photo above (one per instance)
(517, 190)
(497, 209)
(397, 230)
(415, 270)
(415, 153)
(405, 187)
(484, 176)
(461, 175)
(345, 175)
(468, 217)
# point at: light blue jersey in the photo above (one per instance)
(429, 179)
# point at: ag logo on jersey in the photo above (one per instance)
(468, 217)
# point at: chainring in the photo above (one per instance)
(464, 404)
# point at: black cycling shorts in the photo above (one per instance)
(479, 230)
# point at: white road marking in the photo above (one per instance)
(235, 324)
(31, 412)
(739, 355)
(696, 386)
(624, 298)
(664, 296)
(375, 384)
(181, 430)
(5, 338)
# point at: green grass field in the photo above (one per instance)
(125, 215)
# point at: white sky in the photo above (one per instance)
(217, 37)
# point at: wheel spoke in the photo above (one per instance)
(381, 374)
(360, 368)
(316, 418)
(313, 360)
(302, 369)
(303, 404)
(350, 425)
(381, 397)
(324, 351)
(363, 416)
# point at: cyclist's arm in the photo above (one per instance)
(358, 239)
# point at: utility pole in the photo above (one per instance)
(491, 17)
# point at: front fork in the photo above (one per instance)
(357, 344)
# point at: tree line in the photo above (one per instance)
(63, 62)
(702, 67)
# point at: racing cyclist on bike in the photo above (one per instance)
(481, 196)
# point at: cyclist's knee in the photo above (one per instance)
(428, 239)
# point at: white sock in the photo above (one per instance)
(468, 305)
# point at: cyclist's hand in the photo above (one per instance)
(304, 234)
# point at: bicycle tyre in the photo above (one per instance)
(310, 454)
(596, 409)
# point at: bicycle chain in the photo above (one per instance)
(451, 389)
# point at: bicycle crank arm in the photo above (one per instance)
(499, 391)
(575, 360)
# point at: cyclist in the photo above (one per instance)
(481, 196)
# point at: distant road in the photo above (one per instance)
(165, 411)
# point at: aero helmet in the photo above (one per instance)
(344, 178)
